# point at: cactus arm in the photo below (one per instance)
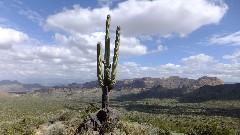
(107, 41)
(115, 58)
(99, 64)
(107, 66)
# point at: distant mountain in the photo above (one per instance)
(72, 85)
(171, 82)
(15, 86)
(223, 92)
(52, 81)
(204, 93)
(184, 89)
(9, 82)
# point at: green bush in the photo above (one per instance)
(23, 127)
(107, 127)
(56, 129)
(209, 129)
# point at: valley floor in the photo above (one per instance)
(60, 113)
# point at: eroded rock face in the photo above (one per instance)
(210, 81)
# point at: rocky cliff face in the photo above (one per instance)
(210, 81)
(170, 83)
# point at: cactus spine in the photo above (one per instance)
(107, 80)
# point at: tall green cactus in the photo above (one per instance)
(108, 80)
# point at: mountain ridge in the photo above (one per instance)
(170, 82)
(16, 86)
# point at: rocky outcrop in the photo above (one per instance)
(208, 81)
(102, 121)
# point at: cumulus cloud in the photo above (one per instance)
(63, 61)
(9, 37)
(26, 59)
(198, 60)
(229, 39)
(82, 41)
(234, 57)
(74, 54)
(134, 70)
(131, 46)
(87, 43)
(146, 17)
(226, 72)
(48, 61)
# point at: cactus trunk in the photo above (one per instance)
(108, 82)
(105, 99)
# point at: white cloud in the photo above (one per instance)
(198, 60)
(226, 72)
(134, 70)
(45, 61)
(170, 66)
(145, 37)
(142, 17)
(3, 20)
(160, 48)
(87, 43)
(131, 46)
(26, 59)
(62, 61)
(230, 39)
(9, 37)
(32, 15)
(130, 64)
(82, 41)
(235, 55)
(74, 54)
(105, 3)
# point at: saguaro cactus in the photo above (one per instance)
(107, 80)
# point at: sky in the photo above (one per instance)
(42, 40)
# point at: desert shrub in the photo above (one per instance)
(56, 129)
(209, 129)
(164, 132)
(65, 116)
(22, 127)
(107, 127)
(91, 108)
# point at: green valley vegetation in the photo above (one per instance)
(61, 113)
